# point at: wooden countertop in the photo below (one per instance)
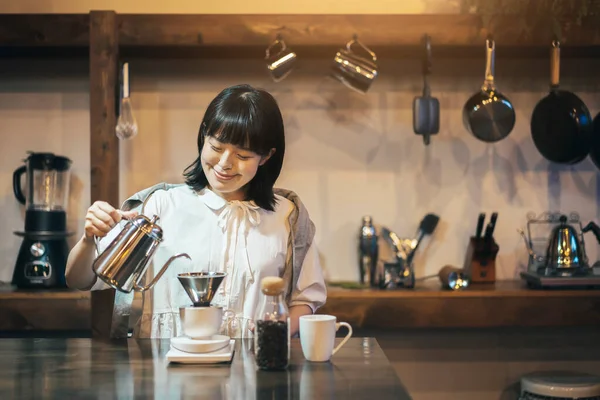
(86, 368)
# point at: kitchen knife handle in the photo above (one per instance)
(480, 221)
(489, 229)
(493, 219)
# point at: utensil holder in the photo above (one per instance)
(480, 260)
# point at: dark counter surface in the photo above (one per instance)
(86, 368)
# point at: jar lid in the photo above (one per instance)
(564, 385)
(272, 285)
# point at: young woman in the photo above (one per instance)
(227, 216)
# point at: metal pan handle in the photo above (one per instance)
(490, 50)
(555, 64)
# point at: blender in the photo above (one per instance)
(43, 253)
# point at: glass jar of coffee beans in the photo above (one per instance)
(272, 327)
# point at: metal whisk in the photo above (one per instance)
(126, 124)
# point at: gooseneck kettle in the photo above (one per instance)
(124, 262)
(566, 247)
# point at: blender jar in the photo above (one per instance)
(47, 191)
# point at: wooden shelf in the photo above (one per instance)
(236, 32)
(432, 290)
(44, 310)
(505, 304)
(335, 30)
(44, 30)
(9, 292)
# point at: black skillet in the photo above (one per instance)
(488, 114)
(595, 142)
(561, 124)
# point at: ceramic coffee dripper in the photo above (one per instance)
(201, 320)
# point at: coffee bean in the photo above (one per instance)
(272, 344)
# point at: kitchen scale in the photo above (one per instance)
(201, 288)
(222, 355)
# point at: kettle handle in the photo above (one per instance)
(97, 239)
(592, 226)
(160, 273)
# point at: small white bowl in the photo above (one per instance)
(207, 345)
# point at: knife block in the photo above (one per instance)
(480, 260)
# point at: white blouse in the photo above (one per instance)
(236, 237)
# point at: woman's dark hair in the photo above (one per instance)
(249, 118)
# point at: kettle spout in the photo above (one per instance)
(160, 273)
(527, 244)
(592, 226)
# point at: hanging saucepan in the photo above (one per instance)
(561, 124)
(488, 114)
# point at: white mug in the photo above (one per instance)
(201, 322)
(317, 336)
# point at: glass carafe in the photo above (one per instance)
(47, 182)
(272, 327)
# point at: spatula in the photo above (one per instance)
(426, 109)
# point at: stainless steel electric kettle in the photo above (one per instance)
(124, 262)
(566, 247)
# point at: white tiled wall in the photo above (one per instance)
(347, 155)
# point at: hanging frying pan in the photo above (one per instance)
(595, 142)
(561, 124)
(488, 114)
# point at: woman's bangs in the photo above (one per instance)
(239, 130)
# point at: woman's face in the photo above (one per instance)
(228, 168)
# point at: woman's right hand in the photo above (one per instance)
(101, 217)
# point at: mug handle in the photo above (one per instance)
(348, 336)
(356, 41)
(278, 41)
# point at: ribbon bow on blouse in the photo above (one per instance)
(237, 214)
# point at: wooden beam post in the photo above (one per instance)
(104, 145)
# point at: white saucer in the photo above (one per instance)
(204, 345)
(223, 355)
